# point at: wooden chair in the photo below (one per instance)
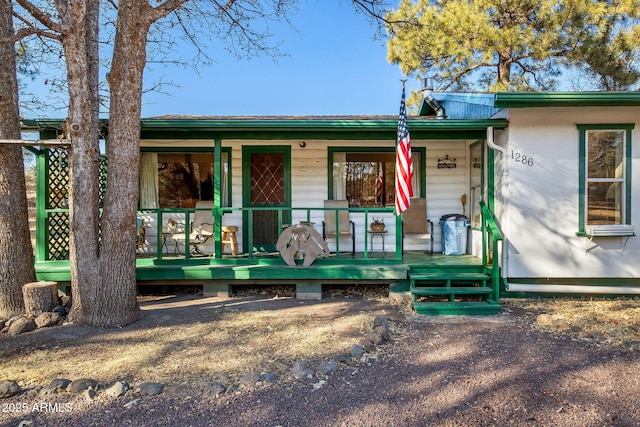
(346, 228)
(415, 225)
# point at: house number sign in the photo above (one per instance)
(521, 158)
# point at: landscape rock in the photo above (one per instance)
(89, 394)
(8, 388)
(57, 385)
(149, 389)
(215, 388)
(179, 391)
(118, 389)
(368, 345)
(249, 379)
(268, 377)
(374, 338)
(82, 384)
(301, 372)
(381, 321)
(356, 351)
(61, 310)
(22, 325)
(344, 358)
(47, 319)
(384, 333)
(327, 367)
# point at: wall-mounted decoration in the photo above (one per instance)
(446, 163)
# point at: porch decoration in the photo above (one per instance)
(377, 224)
(447, 163)
(302, 241)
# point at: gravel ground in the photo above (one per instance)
(438, 371)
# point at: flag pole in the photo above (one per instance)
(404, 164)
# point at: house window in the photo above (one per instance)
(475, 184)
(605, 174)
(366, 178)
(180, 180)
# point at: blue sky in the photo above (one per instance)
(333, 67)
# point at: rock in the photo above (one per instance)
(384, 333)
(89, 394)
(149, 389)
(57, 385)
(368, 345)
(381, 321)
(233, 388)
(344, 358)
(82, 384)
(179, 391)
(268, 377)
(22, 325)
(356, 351)
(118, 389)
(215, 388)
(327, 367)
(249, 379)
(8, 388)
(374, 338)
(11, 320)
(301, 372)
(4, 330)
(47, 319)
(61, 310)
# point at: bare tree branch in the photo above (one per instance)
(42, 17)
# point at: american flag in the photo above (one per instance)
(404, 165)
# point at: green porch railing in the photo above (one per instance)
(491, 248)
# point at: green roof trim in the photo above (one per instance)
(566, 99)
(313, 124)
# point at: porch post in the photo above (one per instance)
(217, 197)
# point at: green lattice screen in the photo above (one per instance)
(57, 200)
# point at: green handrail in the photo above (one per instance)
(490, 224)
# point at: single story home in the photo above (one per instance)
(514, 194)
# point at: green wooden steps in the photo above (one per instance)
(452, 290)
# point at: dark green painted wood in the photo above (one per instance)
(457, 290)
(482, 308)
(565, 99)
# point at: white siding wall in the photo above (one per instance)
(541, 217)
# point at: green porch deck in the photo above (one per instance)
(378, 267)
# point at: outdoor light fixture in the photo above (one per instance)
(302, 144)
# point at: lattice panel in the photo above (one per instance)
(58, 179)
(102, 178)
(58, 194)
(58, 225)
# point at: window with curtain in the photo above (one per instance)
(180, 180)
(366, 178)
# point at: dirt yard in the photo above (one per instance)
(550, 363)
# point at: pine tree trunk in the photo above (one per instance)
(121, 199)
(83, 166)
(16, 252)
